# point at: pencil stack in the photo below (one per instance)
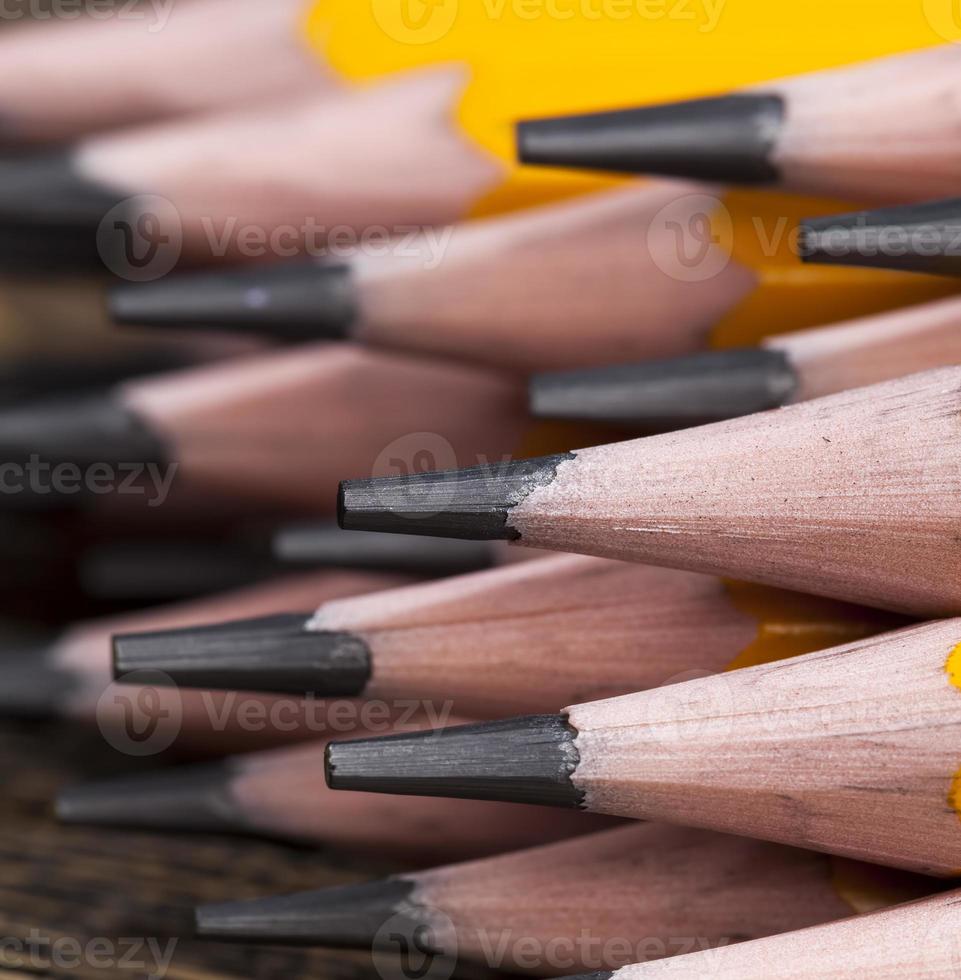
(464, 511)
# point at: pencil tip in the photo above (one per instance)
(272, 654)
(330, 546)
(659, 396)
(474, 504)
(913, 238)
(34, 686)
(521, 760)
(349, 917)
(295, 302)
(728, 139)
(83, 429)
(198, 798)
(50, 213)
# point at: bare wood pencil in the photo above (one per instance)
(574, 283)
(708, 387)
(279, 429)
(601, 901)
(876, 130)
(915, 940)
(853, 751)
(280, 794)
(70, 676)
(518, 639)
(868, 477)
(58, 79)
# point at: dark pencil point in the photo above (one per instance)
(350, 917)
(728, 139)
(474, 504)
(275, 654)
(329, 546)
(84, 430)
(50, 213)
(521, 760)
(914, 238)
(659, 396)
(195, 799)
(294, 302)
(34, 686)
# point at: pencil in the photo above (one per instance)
(328, 546)
(868, 477)
(524, 638)
(280, 795)
(568, 284)
(58, 79)
(867, 131)
(914, 940)
(708, 387)
(69, 676)
(913, 238)
(853, 751)
(588, 59)
(281, 428)
(596, 902)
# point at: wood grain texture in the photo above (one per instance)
(527, 638)
(854, 496)
(626, 895)
(317, 160)
(72, 883)
(874, 131)
(873, 349)
(85, 652)
(920, 940)
(282, 794)
(288, 426)
(853, 751)
(576, 283)
(58, 80)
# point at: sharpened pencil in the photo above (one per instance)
(912, 238)
(598, 902)
(569, 284)
(58, 78)
(70, 676)
(279, 429)
(524, 638)
(853, 751)
(659, 396)
(874, 131)
(280, 794)
(869, 477)
(915, 940)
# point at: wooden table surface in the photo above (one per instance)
(71, 883)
